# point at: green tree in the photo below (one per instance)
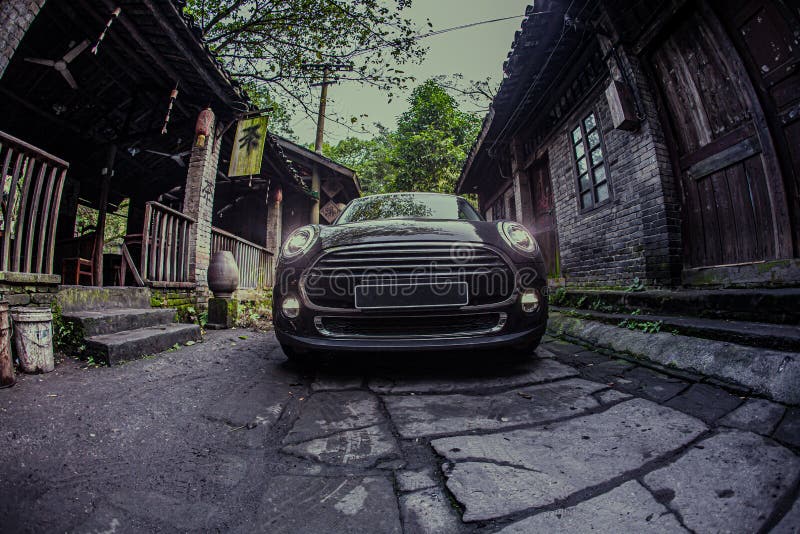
(432, 141)
(269, 44)
(425, 152)
(370, 158)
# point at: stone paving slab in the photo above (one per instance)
(755, 415)
(329, 382)
(428, 512)
(610, 372)
(309, 504)
(789, 429)
(330, 412)
(628, 508)
(727, 483)
(535, 371)
(502, 473)
(415, 480)
(430, 415)
(790, 523)
(650, 384)
(705, 402)
(364, 447)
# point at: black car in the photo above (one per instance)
(409, 271)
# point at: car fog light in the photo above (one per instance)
(291, 307)
(530, 300)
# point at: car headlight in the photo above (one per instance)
(299, 241)
(517, 236)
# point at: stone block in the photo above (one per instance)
(222, 313)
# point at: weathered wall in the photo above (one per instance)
(28, 289)
(636, 235)
(185, 301)
(15, 18)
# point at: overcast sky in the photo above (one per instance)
(475, 52)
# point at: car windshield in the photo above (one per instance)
(409, 206)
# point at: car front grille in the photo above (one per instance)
(331, 281)
(411, 326)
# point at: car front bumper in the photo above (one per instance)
(317, 343)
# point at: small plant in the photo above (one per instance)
(558, 297)
(648, 327)
(580, 302)
(67, 335)
(636, 285)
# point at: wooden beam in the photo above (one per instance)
(201, 69)
(99, 236)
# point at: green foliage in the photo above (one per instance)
(67, 335)
(425, 152)
(270, 44)
(115, 229)
(636, 285)
(558, 297)
(648, 327)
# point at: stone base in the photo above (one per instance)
(222, 313)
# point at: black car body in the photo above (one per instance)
(418, 271)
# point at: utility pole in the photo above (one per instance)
(327, 69)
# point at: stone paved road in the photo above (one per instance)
(227, 436)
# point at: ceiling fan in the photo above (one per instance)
(176, 157)
(61, 64)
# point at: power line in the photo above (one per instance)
(452, 29)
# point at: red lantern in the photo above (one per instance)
(277, 195)
(203, 127)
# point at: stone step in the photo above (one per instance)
(132, 344)
(87, 298)
(109, 321)
(754, 334)
(777, 305)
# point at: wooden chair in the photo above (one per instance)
(79, 264)
(83, 264)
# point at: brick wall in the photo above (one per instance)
(199, 203)
(15, 18)
(636, 235)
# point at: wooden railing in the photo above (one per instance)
(254, 261)
(30, 184)
(165, 246)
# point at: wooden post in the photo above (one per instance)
(6, 368)
(99, 237)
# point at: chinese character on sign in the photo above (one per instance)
(248, 148)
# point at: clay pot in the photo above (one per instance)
(223, 274)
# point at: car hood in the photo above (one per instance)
(389, 230)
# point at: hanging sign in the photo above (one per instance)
(248, 147)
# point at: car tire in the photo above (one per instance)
(525, 351)
(298, 358)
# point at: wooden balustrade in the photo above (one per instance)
(30, 184)
(254, 261)
(165, 246)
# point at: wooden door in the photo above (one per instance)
(543, 222)
(734, 207)
(767, 35)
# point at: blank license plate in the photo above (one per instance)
(411, 295)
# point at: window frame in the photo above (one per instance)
(591, 169)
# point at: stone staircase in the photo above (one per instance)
(766, 317)
(118, 323)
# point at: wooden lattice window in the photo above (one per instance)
(590, 165)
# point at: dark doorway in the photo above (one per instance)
(543, 221)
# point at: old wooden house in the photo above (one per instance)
(106, 103)
(654, 140)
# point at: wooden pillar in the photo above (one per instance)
(522, 188)
(99, 236)
(274, 223)
(198, 203)
(315, 187)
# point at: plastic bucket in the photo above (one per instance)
(33, 339)
(7, 378)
